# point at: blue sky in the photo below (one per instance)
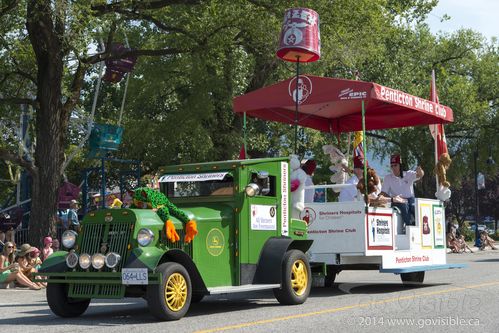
(479, 15)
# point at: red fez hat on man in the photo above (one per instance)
(309, 167)
(358, 162)
(395, 159)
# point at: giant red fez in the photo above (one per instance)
(300, 37)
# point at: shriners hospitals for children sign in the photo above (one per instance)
(379, 231)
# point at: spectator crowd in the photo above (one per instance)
(19, 266)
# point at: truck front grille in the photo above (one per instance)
(108, 237)
(103, 238)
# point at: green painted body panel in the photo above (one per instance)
(298, 229)
(213, 248)
(252, 241)
(150, 255)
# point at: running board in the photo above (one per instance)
(421, 268)
(240, 289)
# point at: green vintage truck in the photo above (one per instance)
(247, 241)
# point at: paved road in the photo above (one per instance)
(465, 300)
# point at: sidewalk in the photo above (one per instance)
(475, 249)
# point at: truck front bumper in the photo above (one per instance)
(93, 284)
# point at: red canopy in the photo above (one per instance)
(334, 105)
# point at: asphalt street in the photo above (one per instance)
(464, 300)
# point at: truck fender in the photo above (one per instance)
(55, 263)
(269, 265)
(144, 257)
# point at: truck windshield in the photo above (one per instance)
(197, 185)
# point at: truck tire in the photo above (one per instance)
(413, 278)
(63, 306)
(171, 298)
(296, 279)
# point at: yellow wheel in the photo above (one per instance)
(296, 282)
(170, 299)
(176, 292)
(299, 277)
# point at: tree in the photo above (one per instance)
(56, 30)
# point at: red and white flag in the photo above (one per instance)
(242, 152)
(437, 130)
(358, 147)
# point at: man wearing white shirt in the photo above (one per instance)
(399, 186)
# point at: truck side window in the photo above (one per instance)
(267, 185)
(222, 187)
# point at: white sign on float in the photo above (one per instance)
(438, 226)
(380, 231)
(263, 217)
(336, 227)
(425, 219)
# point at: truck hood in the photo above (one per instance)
(209, 212)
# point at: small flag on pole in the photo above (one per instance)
(242, 153)
(358, 147)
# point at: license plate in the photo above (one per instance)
(134, 276)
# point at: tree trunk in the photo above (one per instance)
(51, 118)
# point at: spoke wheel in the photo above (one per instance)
(296, 279)
(299, 277)
(171, 298)
(176, 292)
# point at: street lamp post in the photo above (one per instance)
(477, 237)
(490, 161)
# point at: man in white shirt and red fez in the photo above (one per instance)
(399, 187)
(349, 193)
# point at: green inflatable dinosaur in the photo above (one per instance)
(147, 198)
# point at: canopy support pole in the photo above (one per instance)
(103, 184)
(435, 147)
(365, 153)
(296, 103)
(245, 137)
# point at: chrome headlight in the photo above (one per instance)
(72, 260)
(98, 260)
(85, 260)
(112, 259)
(145, 237)
(69, 239)
(252, 189)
